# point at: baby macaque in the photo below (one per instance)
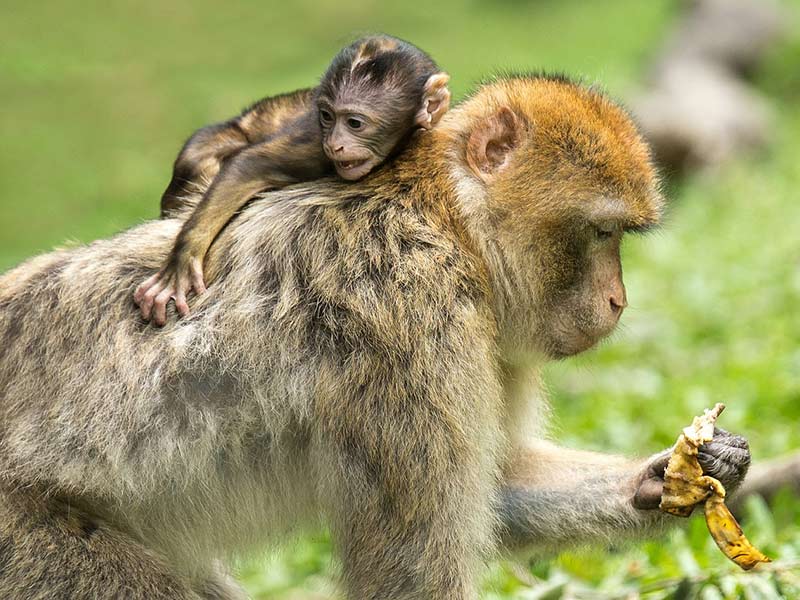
(374, 95)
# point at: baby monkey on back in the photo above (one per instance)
(373, 96)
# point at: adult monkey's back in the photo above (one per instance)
(366, 357)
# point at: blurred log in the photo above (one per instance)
(697, 116)
(733, 34)
(696, 110)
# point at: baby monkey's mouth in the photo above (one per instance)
(351, 170)
(347, 165)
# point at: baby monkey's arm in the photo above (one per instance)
(275, 163)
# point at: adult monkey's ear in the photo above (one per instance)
(492, 142)
(435, 101)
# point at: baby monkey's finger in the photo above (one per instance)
(160, 306)
(138, 295)
(180, 303)
(146, 306)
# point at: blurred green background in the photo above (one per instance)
(96, 99)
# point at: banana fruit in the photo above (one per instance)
(685, 487)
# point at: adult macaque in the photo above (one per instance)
(375, 93)
(367, 357)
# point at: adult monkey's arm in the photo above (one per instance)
(553, 497)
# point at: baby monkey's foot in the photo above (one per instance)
(171, 283)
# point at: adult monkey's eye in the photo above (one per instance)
(604, 234)
(354, 123)
(325, 116)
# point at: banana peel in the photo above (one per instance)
(685, 487)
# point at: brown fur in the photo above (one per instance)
(368, 357)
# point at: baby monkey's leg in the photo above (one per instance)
(203, 155)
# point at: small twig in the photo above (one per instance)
(774, 567)
(579, 592)
(522, 574)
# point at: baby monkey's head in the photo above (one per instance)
(374, 94)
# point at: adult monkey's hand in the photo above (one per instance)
(725, 458)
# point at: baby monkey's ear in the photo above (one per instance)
(435, 101)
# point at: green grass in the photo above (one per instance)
(97, 99)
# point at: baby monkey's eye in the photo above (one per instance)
(355, 123)
(325, 117)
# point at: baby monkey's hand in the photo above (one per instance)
(182, 273)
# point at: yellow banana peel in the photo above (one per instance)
(685, 487)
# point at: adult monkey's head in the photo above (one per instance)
(550, 176)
